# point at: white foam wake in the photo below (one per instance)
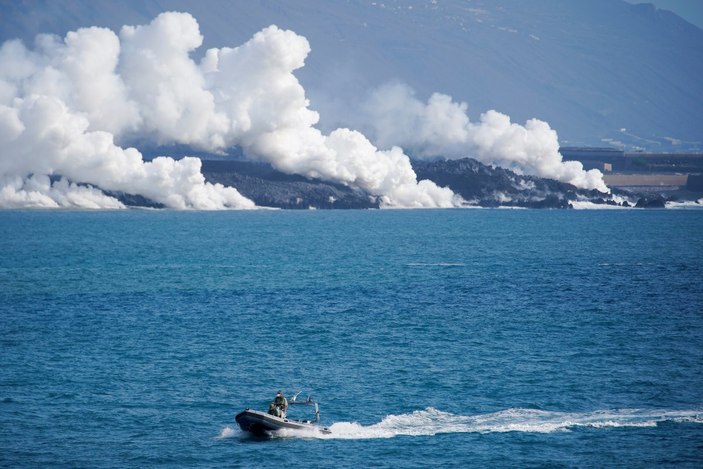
(436, 264)
(228, 432)
(431, 421)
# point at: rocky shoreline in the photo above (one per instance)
(478, 184)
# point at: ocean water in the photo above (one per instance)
(438, 338)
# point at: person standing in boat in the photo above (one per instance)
(280, 405)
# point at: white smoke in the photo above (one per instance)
(64, 104)
(441, 127)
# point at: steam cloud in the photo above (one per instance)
(68, 106)
(442, 127)
(65, 104)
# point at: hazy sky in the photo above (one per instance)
(690, 10)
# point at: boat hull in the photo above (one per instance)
(260, 423)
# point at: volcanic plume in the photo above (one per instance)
(72, 108)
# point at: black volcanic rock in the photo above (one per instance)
(651, 202)
(134, 200)
(487, 186)
(268, 187)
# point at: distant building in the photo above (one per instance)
(642, 170)
(614, 160)
(604, 159)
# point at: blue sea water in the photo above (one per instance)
(440, 338)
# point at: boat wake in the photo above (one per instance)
(431, 421)
(228, 432)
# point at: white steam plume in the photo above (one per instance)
(60, 109)
(441, 127)
(65, 103)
